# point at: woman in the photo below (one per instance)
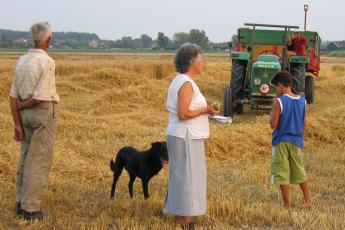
(187, 128)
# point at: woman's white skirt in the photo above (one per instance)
(187, 177)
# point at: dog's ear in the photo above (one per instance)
(156, 144)
(158, 147)
(164, 144)
(154, 147)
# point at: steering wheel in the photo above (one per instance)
(270, 52)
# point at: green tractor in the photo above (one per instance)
(259, 55)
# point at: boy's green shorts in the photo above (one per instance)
(287, 164)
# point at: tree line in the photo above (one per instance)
(13, 39)
(162, 41)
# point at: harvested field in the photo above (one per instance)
(109, 101)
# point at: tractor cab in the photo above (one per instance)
(259, 55)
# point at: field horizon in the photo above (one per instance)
(112, 100)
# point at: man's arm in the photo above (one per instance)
(27, 103)
(275, 114)
(18, 127)
(290, 53)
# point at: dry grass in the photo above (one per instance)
(109, 101)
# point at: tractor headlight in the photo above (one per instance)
(257, 81)
(264, 88)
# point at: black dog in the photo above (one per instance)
(144, 165)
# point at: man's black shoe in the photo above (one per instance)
(38, 215)
(19, 209)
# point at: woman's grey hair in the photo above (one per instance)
(40, 32)
(185, 55)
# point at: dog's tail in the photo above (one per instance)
(117, 167)
(112, 165)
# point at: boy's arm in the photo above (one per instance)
(275, 114)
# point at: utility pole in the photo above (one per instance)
(305, 17)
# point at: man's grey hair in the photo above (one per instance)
(185, 55)
(40, 32)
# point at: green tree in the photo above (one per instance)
(180, 38)
(146, 41)
(198, 37)
(128, 42)
(162, 40)
(4, 42)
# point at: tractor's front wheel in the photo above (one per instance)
(228, 103)
(309, 89)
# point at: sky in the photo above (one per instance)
(113, 19)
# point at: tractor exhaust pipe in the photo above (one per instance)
(305, 16)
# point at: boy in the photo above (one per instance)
(288, 119)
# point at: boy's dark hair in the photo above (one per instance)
(283, 77)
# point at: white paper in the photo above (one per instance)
(222, 119)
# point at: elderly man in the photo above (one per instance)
(33, 101)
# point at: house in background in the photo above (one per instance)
(94, 44)
(336, 45)
(20, 42)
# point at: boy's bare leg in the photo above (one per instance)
(306, 193)
(285, 189)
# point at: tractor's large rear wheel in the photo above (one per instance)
(238, 76)
(309, 89)
(228, 103)
(297, 71)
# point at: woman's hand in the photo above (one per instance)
(212, 110)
